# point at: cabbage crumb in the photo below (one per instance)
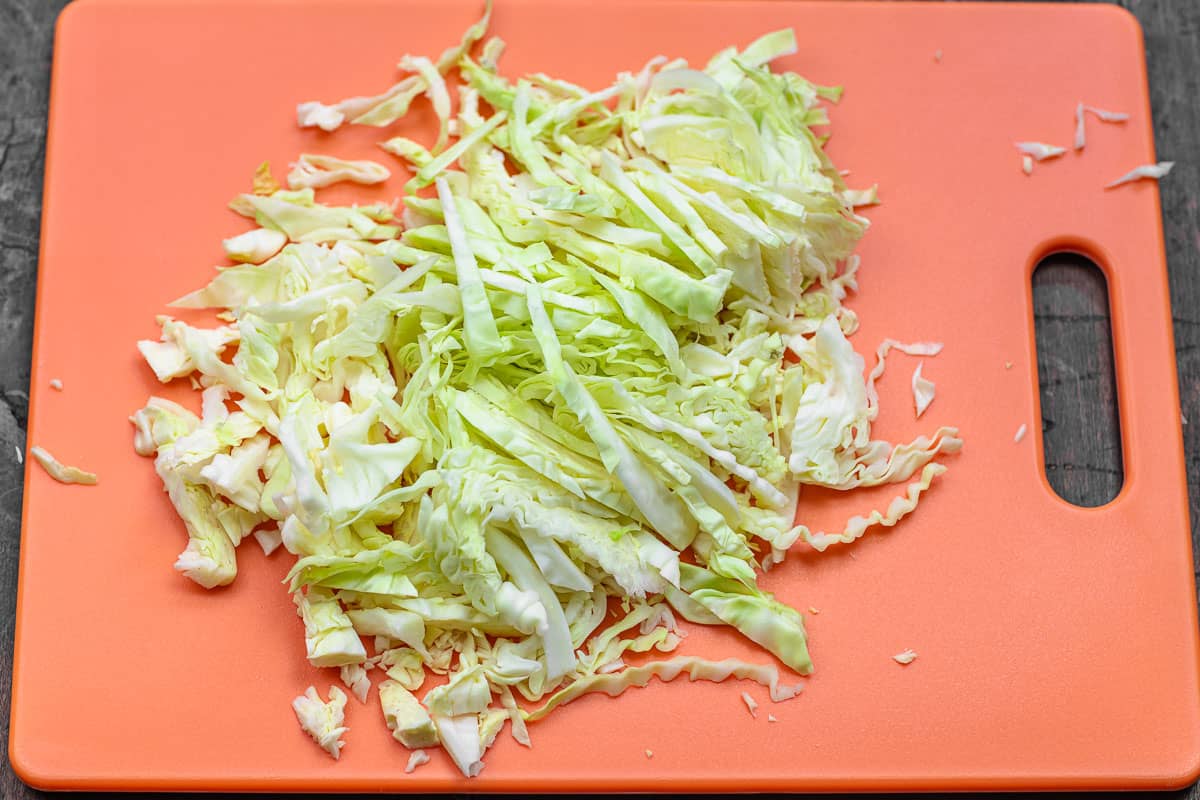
(1020, 434)
(56, 384)
(357, 681)
(264, 183)
(415, 760)
(857, 198)
(751, 704)
(1039, 151)
(905, 658)
(63, 473)
(922, 389)
(269, 539)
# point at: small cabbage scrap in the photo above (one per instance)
(584, 364)
(417, 759)
(1039, 151)
(315, 171)
(63, 473)
(357, 681)
(862, 197)
(264, 182)
(905, 658)
(323, 721)
(751, 704)
(1107, 116)
(406, 718)
(922, 389)
(927, 349)
(269, 539)
(254, 247)
(1100, 114)
(1147, 171)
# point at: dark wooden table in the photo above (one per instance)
(1079, 414)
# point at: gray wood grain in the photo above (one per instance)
(26, 33)
(1085, 470)
(1077, 380)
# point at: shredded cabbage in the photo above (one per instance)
(585, 370)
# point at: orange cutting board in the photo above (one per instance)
(1057, 645)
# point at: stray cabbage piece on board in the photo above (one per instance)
(1040, 151)
(923, 390)
(63, 473)
(323, 721)
(418, 758)
(1145, 171)
(1081, 112)
(583, 365)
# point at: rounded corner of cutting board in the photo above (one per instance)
(27, 766)
(67, 20)
(1120, 17)
(1186, 771)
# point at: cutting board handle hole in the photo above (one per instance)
(1081, 422)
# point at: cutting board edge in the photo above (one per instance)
(49, 778)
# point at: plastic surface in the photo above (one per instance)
(1057, 646)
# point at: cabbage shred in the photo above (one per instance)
(586, 368)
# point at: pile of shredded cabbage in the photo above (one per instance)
(587, 369)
